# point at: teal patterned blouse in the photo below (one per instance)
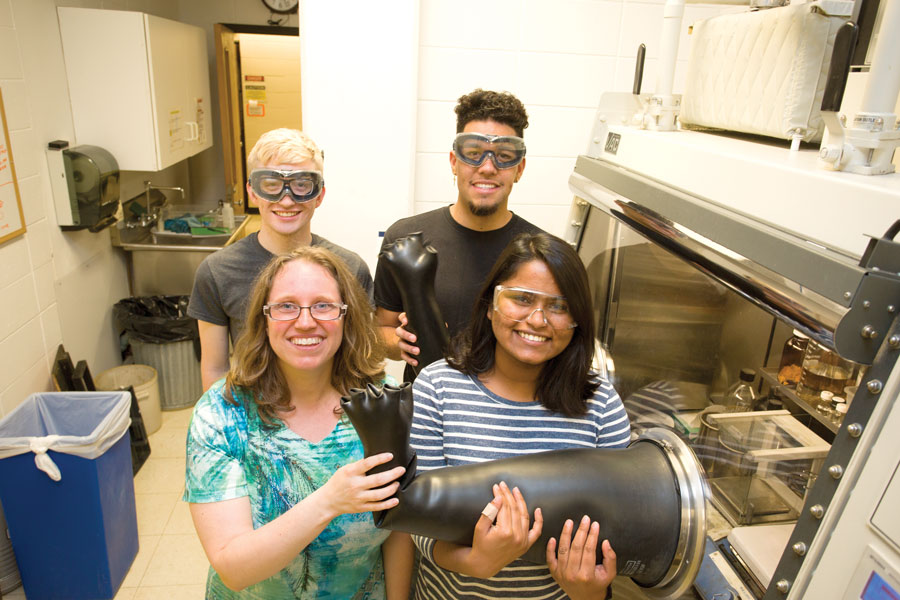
(230, 453)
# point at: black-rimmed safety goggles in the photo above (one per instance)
(473, 149)
(271, 185)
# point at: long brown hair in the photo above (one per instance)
(565, 382)
(254, 366)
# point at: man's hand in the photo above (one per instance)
(400, 343)
(406, 341)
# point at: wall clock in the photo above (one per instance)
(282, 6)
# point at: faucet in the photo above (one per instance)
(148, 186)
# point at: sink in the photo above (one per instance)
(172, 238)
(164, 262)
(121, 236)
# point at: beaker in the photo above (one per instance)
(823, 370)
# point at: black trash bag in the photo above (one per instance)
(158, 319)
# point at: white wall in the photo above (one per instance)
(276, 59)
(557, 57)
(54, 286)
(59, 287)
(358, 68)
(358, 76)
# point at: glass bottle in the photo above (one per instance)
(226, 211)
(823, 370)
(823, 406)
(837, 417)
(792, 358)
(774, 401)
(740, 397)
(836, 403)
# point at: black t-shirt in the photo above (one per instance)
(465, 257)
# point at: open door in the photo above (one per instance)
(258, 78)
(227, 77)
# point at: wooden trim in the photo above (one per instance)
(9, 226)
(264, 29)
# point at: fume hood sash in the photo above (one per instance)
(800, 281)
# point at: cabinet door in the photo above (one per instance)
(198, 102)
(139, 85)
(109, 87)
(168, 82)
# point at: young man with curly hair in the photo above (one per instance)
(487, 159)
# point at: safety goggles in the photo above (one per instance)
(271, 185)
(519, 304)
(320, 311)
(474, 148)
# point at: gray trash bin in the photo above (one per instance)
(163, 336)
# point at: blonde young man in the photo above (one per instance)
(287, 184)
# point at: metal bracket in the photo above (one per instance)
(875, 305)
(577, 220)
(883, 254)
(820, 497)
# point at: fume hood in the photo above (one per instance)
(705, 250)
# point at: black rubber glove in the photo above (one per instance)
(631, 492)
(413, 265)
(382, 417)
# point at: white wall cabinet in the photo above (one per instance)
(138, 84)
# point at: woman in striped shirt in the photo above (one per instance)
(518, 381)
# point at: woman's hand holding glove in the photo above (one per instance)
(574, 565)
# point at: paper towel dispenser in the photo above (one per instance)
(85, 185)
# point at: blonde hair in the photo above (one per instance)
(254, 367)
(284, 146)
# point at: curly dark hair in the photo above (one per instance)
(485, 105)
(566, 381)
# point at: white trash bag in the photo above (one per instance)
(84, 424)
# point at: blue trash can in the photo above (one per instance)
(67, 490)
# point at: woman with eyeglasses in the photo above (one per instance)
(518, 380)
(275, 474)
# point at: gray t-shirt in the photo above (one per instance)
(225, 278)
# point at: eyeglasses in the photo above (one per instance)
(320, 311)
(271, 185)
(505, 151)
(519, 304)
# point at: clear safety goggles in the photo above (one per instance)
(320, 311)
(473, 149)
(271, 185)
(519, 304)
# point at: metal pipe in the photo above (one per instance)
(883, 85)
(148, 186)
(673, 13)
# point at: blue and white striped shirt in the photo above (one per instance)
(458, 421)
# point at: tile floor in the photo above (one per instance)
(170, 563)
